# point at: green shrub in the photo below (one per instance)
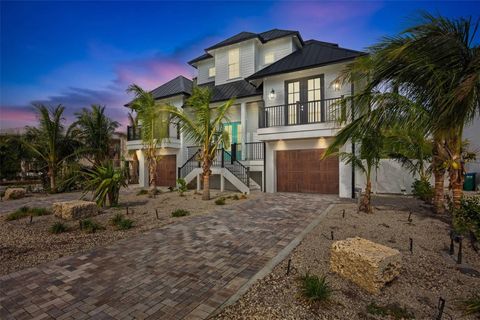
(23, 212)
(471, 305)
(220, 201)
(116, 219)
(181, 186)
(393, 310)
(466, 219)
(235, 197)
(58, 227)
(180, 213)
(142, 192)
(90, 226)
(315, 288)
(121, 223)
(423, 190)
(105, 182)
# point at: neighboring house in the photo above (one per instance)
(283, 118)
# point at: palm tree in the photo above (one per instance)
(205, 127)
(105, 182)
(50, 142)
(155, 126)
(95, 129)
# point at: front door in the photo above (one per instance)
(304, 100)
(234, 130)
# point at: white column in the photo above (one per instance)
(198, 183)
(142, 169)
(243, 120)
(345, 174)
(222, 181)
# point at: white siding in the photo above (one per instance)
(247, 61)
(279, 48)
(203, 67)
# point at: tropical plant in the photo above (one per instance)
(24, 212)
(315, 288)
(155, 126)
(95, 129)
(466, 218)
(181, 186)
(423, 190)
(220, 201)
(367, 159)
(50, 142)
(58, 227)
(105, 182)
(471, 305)
(204, 126)
(90, 226)
(180, 213)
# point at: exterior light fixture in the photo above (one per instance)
(272, 95)
(337, 86)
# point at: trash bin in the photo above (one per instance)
(469, 182)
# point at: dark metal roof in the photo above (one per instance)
(237, 89)
(313, 54)
(200, 58)
(178, 85)
(239, 37)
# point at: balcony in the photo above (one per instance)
(302, 113)
(134, 139)
(134, 133)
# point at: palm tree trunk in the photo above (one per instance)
(456, 170)
(206, 180)
(439, 176)
(53, 180)
(365, 202)
(152, 166)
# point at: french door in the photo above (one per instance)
(304, 100)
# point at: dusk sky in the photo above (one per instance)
(83, 53)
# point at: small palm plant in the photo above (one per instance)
(315, 288)
(105, 182)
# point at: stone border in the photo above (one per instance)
(273, 262)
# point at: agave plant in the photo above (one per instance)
(105, 182)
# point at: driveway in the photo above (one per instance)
(186, 270)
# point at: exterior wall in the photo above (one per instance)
(472, 134)
(247, 61)
(252, 121)
(202, 68)
(279, 47)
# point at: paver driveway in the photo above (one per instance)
(185, 270)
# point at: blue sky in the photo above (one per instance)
(79, 53)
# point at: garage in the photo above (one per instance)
(303, 171)
(166, 171)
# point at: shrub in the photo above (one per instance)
(116, 219)
(90, 226)
(315, 288)
(181, 186)
(235, 197)
(142, 192)
(58, 227)
(393, 310)
(180, 213)
(121, 223)
(220, 201)
(466, 219)
(105, 181)
(423, 190)
(471, 305)
(23, 212)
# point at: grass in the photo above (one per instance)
(393, 310)
(220, 201)
(90, 226)
(315, 288)
(24, 212)
(471, 305)
(142, 192)
(180, 213)
(235, 197)
(58, 227)
(121, 222)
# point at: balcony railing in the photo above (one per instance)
(308, 112)
(253, 151)
(134, 133)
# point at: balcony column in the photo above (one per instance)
(243, 121)
(143, 179)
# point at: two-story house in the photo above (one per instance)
(283, 118)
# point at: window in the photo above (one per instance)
(211, 72)
(233, 63)
(293, 97)
(269, 58)
(314, 95)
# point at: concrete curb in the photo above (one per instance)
(273, 262)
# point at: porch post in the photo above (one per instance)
(243, 120)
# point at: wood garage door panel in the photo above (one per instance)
(303, 171)
(167, 171)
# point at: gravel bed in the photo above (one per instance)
(24, 245)
(426, 275)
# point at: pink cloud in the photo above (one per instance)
(16, 117)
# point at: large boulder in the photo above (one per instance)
(14, 193)
(369, 265)
(76, 209)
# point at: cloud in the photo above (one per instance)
(16, 117)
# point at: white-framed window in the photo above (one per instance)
(234, 63)
(269, 58)
(211, 72)
(314, 104)
(293, 91)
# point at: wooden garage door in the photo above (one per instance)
(303, 171)
(166, 171)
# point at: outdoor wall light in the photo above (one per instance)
(337, 86)
(272, 95)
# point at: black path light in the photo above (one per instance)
(411, 245)
(343, 214)
(441, 307)
(331, 234)
(127, 211)
(410, 217)
(288, 266)
(31, 218)
(452, 244)
(459, 257)
(156, 213)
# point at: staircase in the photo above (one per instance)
(224, 164)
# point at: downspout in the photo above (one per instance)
(352, 91)
(264, 166)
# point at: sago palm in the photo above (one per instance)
(105, 182)
(204, 126)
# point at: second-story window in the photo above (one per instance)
(269, 58)
(233, 63)
(211, 72)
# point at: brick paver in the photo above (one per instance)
(182, 271)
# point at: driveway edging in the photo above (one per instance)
(273, 262)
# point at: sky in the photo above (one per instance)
(81, 53)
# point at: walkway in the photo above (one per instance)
(183, 271)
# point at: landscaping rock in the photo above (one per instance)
(369, 265)
(14, 193)
(76, 209)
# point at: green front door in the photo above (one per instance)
(234, 130)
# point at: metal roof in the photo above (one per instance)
(313, 54)
(200, 58)
(178, 85)
(236, 89)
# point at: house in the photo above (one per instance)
(286, 101)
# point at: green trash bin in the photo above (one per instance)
(469, 182)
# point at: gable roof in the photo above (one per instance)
(236, 89)
(313, 54)
(178, 85)
(204, 56)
